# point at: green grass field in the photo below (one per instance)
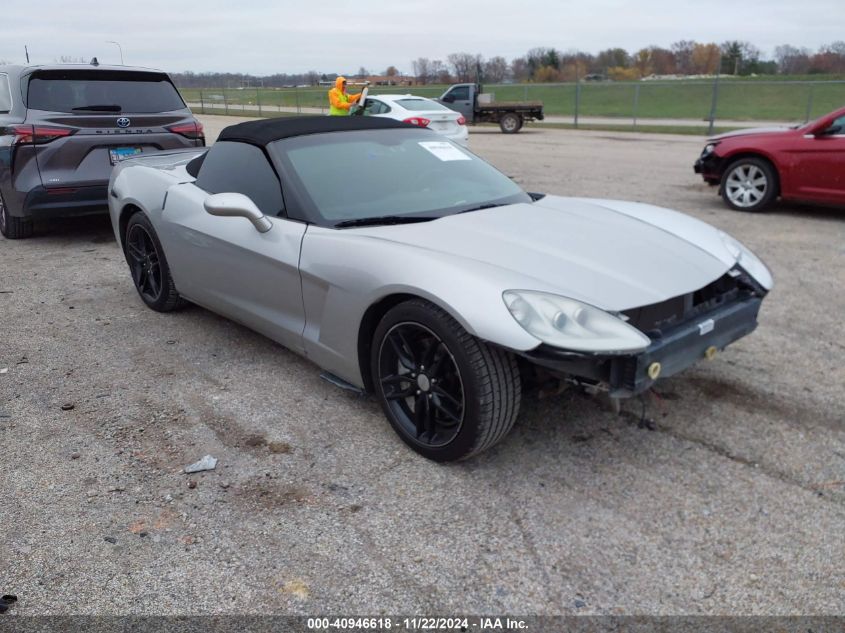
(738, 99)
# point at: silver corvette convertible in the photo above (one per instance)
(405, 266)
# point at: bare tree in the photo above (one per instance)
(663, 61)
(70, 59)
(439, 72)
(465, 66)
(612, 58)
(837, 48)
(496, 70)
(792, 60)
(422, 69)
(540, 57)
(520, 70)
(683, 50)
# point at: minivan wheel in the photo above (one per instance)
(148, 265)
(447, 394)
(11, 227)
(749, 184)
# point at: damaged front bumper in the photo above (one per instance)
(672, 352)
(709, 167)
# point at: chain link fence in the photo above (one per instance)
(697, 105)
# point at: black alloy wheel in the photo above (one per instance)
(144, 263)
(148, 265)
(422, 384)
(447, 394)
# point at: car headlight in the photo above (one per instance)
(753, 265)
(708, 149)
(570, 324)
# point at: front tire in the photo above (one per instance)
(11, 227)
(749, 184)
(510, 123)
(447, 394)
(148, 265)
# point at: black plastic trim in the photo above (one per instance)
(676, 350)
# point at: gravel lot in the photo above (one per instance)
(732, 501)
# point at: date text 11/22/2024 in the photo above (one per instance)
(417, 623)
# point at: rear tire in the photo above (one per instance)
(749, 184)
(148, 265)
(510, 123)
(447, 395)
(11, 227)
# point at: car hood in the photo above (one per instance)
(754, 131)
(612, 254)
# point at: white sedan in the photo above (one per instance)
(419, 111)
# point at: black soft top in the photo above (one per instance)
(266, 131)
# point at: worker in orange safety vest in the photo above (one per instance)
(339, 100)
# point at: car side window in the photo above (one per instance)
(372, 106)
(5, 94)
(838, 126)
(461, 93)
(231, 167)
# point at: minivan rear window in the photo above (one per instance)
(5, 94)
(102, 91)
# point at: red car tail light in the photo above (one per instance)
(192, 130)
(38, 134)
(461, 121)
(417, 120)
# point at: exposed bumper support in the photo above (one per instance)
(675, 350)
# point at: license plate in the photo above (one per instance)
(117, 154)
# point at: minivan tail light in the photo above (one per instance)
(38, 134)
(461, 121)
(417, 120)
(192, 130)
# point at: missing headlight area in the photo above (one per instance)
(656, 318)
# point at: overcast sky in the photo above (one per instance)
(267, 36)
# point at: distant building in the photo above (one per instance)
(395, 80)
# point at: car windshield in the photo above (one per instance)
(102, 91)
(420, 105)
(393, 173)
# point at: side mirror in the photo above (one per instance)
(237, 205)
(447, 99)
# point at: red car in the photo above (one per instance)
(753, 167)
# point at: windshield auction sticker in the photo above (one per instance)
(444, 150)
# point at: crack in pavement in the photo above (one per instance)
(761, 467)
